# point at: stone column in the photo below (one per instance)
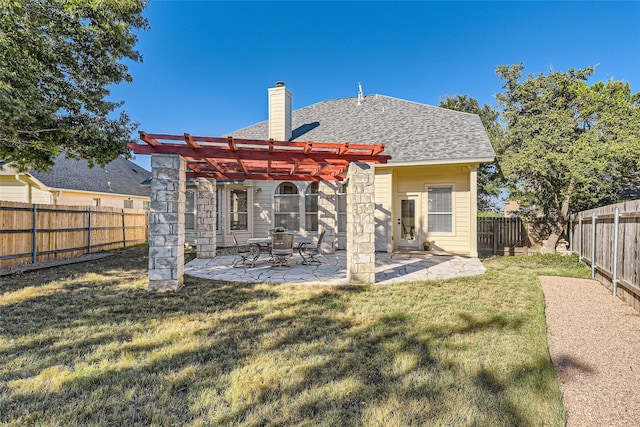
(327, 213)
(166, 223)
(206, 218)
(361, 206)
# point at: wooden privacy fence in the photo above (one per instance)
(608, 238)
(32, 233)
(502, 236)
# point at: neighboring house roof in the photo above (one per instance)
(413, 132)
(118, 177)
(629, 194)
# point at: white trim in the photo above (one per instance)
(419, 213)
(249, 211)
(97, 193)
(452, 233)
(435, 162)
(300, 204)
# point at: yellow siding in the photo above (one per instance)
(417, 179)
(41, 196)
(384, 208)
(13, 191)
(78, 198)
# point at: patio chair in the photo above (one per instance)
(245, 254)
(408, 231)
(281, 248)
(272, 231)
(309, 254)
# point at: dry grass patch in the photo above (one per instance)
(87, 344)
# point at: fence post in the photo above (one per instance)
(494, 225)
(34, 241)
(614, 280)
(593, 245)
(124, 232)
(580, 238)
(89, 230)
(570, 235)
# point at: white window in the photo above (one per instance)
(128, 204)
(146, 205)
(238, 213)
(286, 207)
(341, 208)
(311, 207)
(440, 210)
(190, 210)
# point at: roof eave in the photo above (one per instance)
(57, 189)
(434, 162)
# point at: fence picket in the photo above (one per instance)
(613, 242)
(32, 233)
(497, 234)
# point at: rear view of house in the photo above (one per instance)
(426, 192)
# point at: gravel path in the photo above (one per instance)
(594, 341)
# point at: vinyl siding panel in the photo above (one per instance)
(13, 191)
(384, 207)
(417, 179)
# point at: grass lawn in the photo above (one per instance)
(88, 344)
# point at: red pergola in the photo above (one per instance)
(240, 159)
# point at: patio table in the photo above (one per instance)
(257, 243)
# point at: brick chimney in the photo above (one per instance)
(279, 112)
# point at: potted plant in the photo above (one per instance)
(426, 245)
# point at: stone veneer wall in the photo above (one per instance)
(327, 213)
(206, 218)
(361, 223)
(166, 222)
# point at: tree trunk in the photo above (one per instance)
(552, 240)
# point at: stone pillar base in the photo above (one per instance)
(166, 222)
(361, 259)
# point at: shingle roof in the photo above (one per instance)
(119, 177)
(413, 132)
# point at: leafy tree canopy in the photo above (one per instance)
(568, 146)
(489, 177)
(57, 60)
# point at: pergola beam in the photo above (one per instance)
(231, 158)
(255, 154)
(264, 176)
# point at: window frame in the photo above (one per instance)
(230, 213)
(452, 213)
(296, 213)
(315, 213)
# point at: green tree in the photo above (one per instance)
(489, 177)
(57, 61)
(568, 146)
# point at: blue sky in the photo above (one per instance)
(207, 64)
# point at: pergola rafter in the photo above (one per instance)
(240, 159)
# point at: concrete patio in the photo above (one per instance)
(389, 268)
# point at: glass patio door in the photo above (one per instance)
(406, 228)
